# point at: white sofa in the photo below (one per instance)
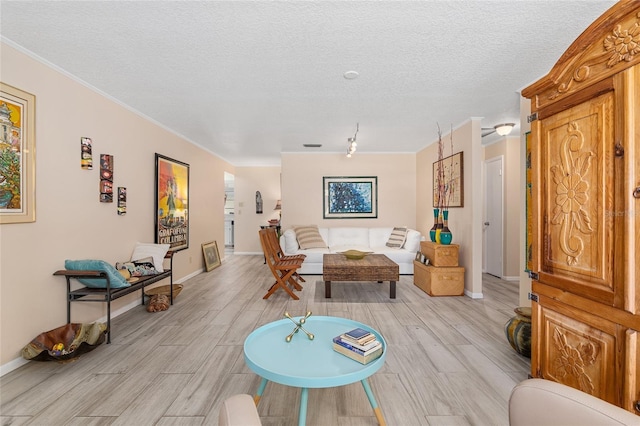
(357, 238)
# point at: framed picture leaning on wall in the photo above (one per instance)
(211, 255)
(172, 203)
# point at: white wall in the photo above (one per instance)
(248, 180)
(71, 223)
(302, 187)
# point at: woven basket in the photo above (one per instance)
(164, 289)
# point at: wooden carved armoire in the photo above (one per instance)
(585, 156)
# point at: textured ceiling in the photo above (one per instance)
(249, 80)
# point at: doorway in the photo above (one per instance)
(493, 223)
(229, 211)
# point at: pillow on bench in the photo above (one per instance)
(138, 268)
(115, 278)
(156, 251)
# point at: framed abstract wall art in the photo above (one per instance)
(350, 197)
(17, 155)
(453, 172)
(172, 203)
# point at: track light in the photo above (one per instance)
(351, 142)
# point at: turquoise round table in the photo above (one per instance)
(307, 363)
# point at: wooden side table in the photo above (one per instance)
(443, 276)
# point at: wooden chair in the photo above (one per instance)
(275, 245)
(282, 270)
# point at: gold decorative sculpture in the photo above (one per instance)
(298, 326)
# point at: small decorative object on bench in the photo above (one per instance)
(104, 283)
(66, 342)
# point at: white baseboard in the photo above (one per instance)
(12, 365)
(19, 362)
(188, 277)
(505, 278)
(473, 295)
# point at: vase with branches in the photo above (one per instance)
(443, 193)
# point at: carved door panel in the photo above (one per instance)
(580, 349)
(576, 198)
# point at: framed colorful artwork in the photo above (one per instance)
(453, 180)
(86, 155)
(106, 178)
(172, 203)
(122, 200)
(17, 155)
(350, 197)
(211, 255)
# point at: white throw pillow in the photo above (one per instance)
(397, 237)
(290, 243)
(309, 237)
(156, 251)
(412, 242)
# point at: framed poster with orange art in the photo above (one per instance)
(172, 203)
(17, 155)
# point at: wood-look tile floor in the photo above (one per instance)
(448, 361)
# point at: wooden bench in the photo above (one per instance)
(108, 294)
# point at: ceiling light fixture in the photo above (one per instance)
(501, 129)
(351, 75)
(504, 129)
(351, 142)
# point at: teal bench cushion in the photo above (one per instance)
(115, 278)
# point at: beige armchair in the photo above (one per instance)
(239, 410)
(538, 402)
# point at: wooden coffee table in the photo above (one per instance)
(374, 267)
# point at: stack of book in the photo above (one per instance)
(359, 345)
